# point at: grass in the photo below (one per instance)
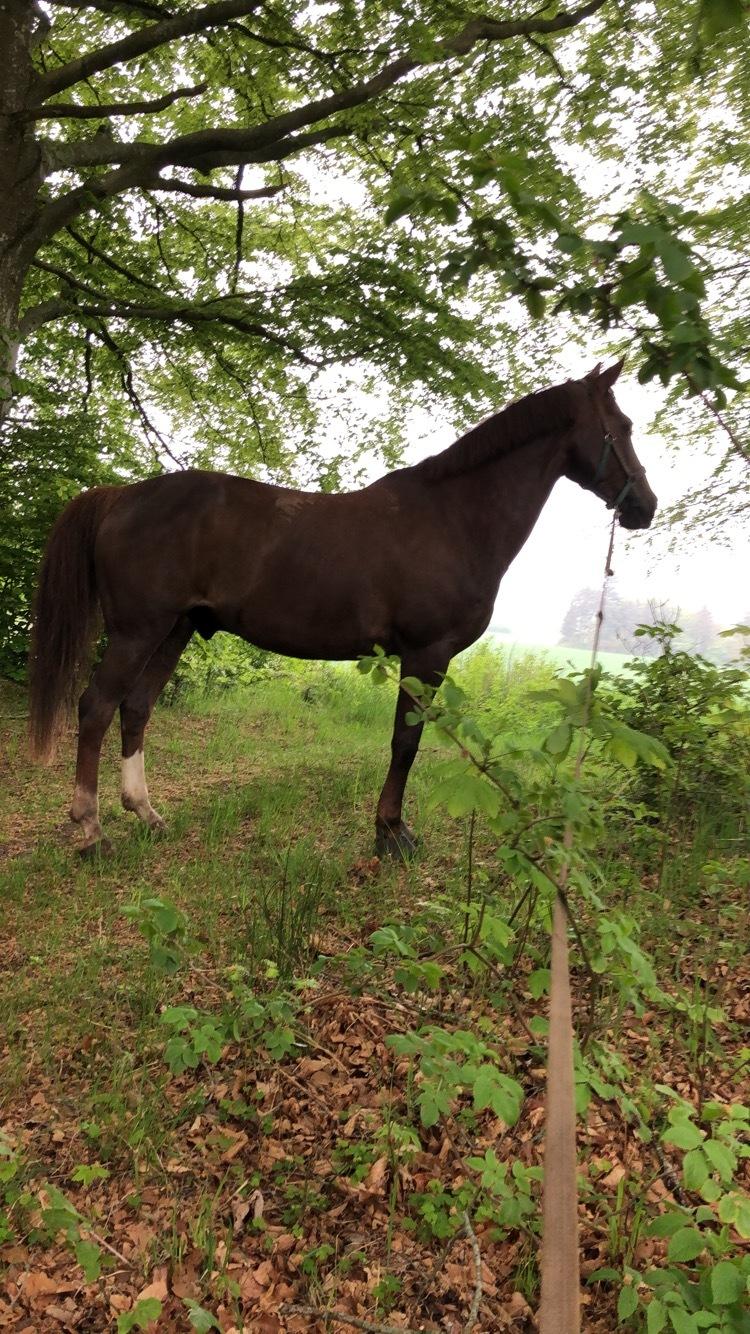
(563, 658)
(269, 792)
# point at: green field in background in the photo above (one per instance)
(562, 657)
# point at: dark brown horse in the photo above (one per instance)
(412, 562)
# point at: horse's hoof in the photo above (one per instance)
(397, 842)
(156, 825)
(100, 848)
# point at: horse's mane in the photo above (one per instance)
(536, 414)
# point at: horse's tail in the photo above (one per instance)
(65, 616)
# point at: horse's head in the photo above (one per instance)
(601, 456)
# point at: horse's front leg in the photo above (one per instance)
(393, 837)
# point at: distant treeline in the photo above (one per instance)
(700, 632)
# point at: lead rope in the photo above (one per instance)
(559, 1310)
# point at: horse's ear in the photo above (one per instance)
(594, 375)
(608, 377)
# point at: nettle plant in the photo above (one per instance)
(704, 1282)
(527, 795)
(199, 1037)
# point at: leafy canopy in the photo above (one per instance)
(248, 208)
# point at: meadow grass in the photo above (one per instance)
(269, 789)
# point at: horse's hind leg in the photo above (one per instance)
(123, 661)
(135, 712)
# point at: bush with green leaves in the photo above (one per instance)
(526, 791)
(704, 1284)
(212, 666)
(700, 711)
(42, 466)
(199, 1037)
(32, 1207)
(500, 680)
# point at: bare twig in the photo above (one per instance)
(552, 58)
(739, 448)
(150, 431)
(494, 969)
(476, 1299)
(141, 42)
(102, 111)
(174, 185)
(112, 1250)
(469, 876)
(239, 228)
(291, 1308)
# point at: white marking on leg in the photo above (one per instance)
(134, 791)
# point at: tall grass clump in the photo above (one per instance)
(501, 680)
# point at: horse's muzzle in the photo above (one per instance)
(637, 512)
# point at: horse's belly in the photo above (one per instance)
(307, 620)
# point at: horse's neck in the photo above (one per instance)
(500, 502)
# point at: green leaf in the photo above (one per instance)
(498, 1091)
(721, 1158)
(656, 1316)
(686, 1245)
(431, 1105)
(710, 1191)
(641, 233)
(621, 749)
(558, 742)
(464, 793)
(200, 1318)
(539, 982)
(627, 1302)
(734, 1208)
(665, 1225)
(141, 1315)
(719, 16)
(179, 1016)
(86, 1173)
(89, 1257)
(400, 204)
(534, 303)
(678, 264)
(727, 1283)
(682, 1323)
(569, 242)
(684, 1135)
(695, 1169)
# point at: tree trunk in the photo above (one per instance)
(20, 173)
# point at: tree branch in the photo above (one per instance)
(179, 187)
(140, 42)
(116, 7)
(93, 252)
(143, 173)
(74, 111)
(272, 141)
(126, 378)
(104, 306)
(552, 58)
